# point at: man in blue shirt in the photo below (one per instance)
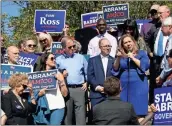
(74, 68)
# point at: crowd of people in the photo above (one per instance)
(114, 87)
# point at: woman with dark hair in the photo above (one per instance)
(130, 27)
(54, 97)
(130, 66)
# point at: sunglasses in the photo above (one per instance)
(16, 53)
(30, 45)
(101, 24)
(66, 27)
(70, 47)
(43, 40)
(107, 46)
(52, 58)
(24, 86)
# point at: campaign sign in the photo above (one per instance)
(163, 104)
(140, 24)
(115, 14)
(52, 21)
(27, 59)
(100, 15)
(8, 70)
(43, 79)
(56, 48)
(90, 19)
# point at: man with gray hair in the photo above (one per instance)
(13, 54)
(167, 31)
(74, 68)
(156, 47)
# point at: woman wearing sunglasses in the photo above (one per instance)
(44, 42)
(54, 97)
(29, 45)
(15, 106)
(130, 27)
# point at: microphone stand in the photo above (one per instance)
(128, 79)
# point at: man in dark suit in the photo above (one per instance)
(113, 111)
(99, 67)
(156, 43)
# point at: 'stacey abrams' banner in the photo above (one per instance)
(163, 103)
(52, 21)
(115, 14)
(43, 79)
(140, 24)
(27, 59)
(8, 70)
(56, 48)
(90, 19)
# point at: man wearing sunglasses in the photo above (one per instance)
(93, 46)
(74, 69)
(13, 54)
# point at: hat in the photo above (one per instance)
(155, 7)
(167, 21)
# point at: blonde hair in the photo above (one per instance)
(78, 46)
(17, 80)
(43, 36)
(121, 46)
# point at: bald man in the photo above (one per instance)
(93, 46)
(156, 44)
(99, 67)
(13, 54)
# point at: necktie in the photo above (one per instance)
(160, 45)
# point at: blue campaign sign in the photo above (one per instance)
(43, 79)
(100, 15)
(140, 23)
(90, 19)
(163, 104)
(8, 70)
(56, 48)
(115, 14)
(52, 21)
(27, 59)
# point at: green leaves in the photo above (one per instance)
(24, 23)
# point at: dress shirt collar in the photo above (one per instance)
(104, 56)
(68, 56)
(113, 97)
(102, 35)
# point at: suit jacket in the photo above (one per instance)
(151, 35)
(113, 111)
(96, 75)
(16, 113)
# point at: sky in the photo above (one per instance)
(10, 8)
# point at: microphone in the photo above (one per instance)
(129, 59)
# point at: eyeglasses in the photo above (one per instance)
(52, 58)
(129, 28)
(70, 47)
(24, 86)
(101, 24)
(30, 45)
(43, 40)
(109, 46)
(16, 53)
(66, 27)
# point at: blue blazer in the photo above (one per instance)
(96, 75)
